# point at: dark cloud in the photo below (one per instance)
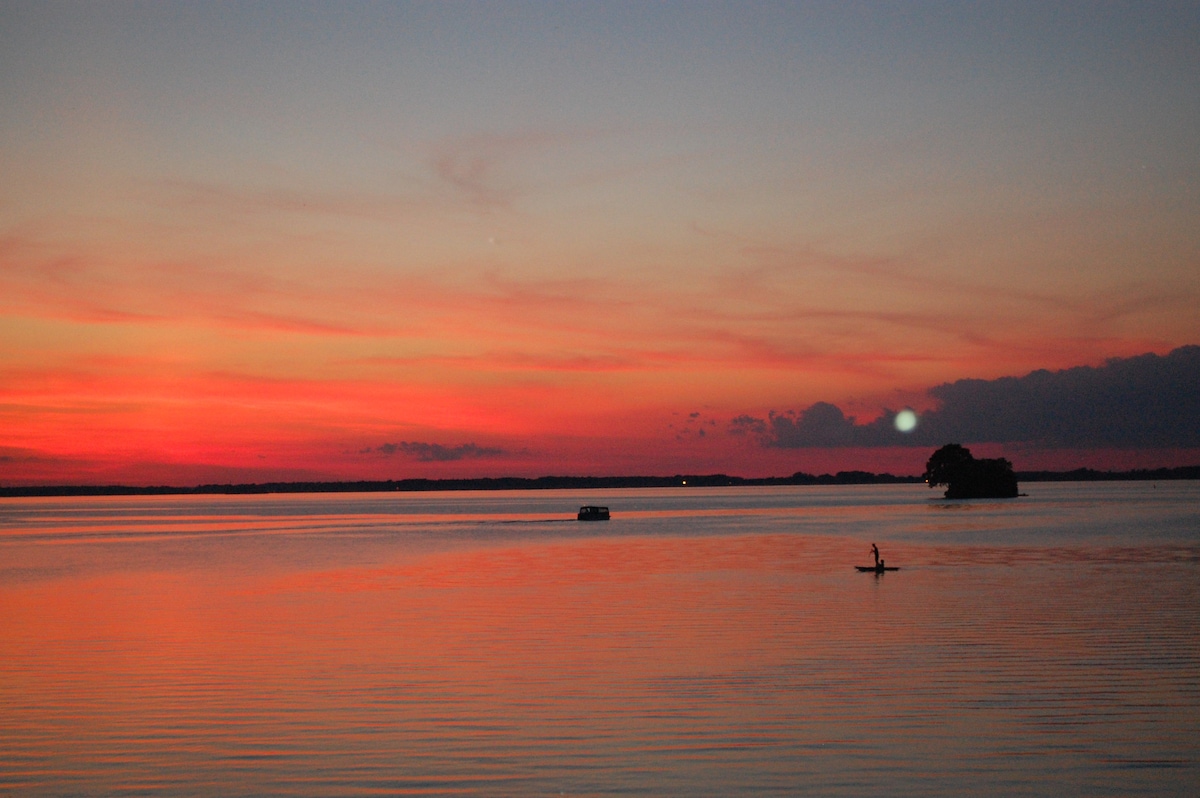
(747, 425)
(436, 452)
(1139, 401)
(822, 425)
(693, 427)
(1143, 401)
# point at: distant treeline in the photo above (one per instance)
(571, 483)
(1091, 475)
(483, 483)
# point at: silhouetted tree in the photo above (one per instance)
(968, 478)
(948, 464)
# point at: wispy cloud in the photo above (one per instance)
(436, 452)
(252, 201)
(491, 171)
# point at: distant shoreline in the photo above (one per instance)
(571, 483)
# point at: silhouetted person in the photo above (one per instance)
(875, 551)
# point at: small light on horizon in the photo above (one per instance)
(906, 421)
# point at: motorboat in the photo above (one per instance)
(590, 512)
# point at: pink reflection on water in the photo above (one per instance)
(718, 664)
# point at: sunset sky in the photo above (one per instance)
(265, 241)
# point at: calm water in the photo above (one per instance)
(703, 642)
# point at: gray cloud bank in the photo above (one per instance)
(1144, 401)
(435, 452)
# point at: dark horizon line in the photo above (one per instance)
(565, 482)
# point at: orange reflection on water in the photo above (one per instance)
(588, 664)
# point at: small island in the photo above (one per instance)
(968, 478)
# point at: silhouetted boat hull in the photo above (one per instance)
(879, 570)
(590, 513)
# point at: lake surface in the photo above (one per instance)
(702, 642)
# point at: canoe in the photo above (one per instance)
(872, 568)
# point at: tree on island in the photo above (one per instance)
(968, 478)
